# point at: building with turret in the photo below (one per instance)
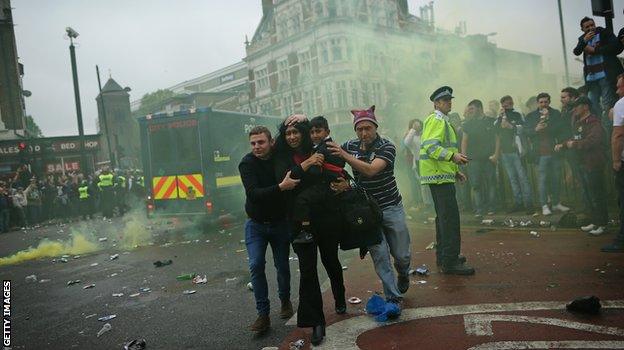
(117, 126)
(330, 56)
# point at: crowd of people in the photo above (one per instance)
(296, 185)
(523, 161)
(28, 200)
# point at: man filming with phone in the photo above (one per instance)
(546, 128)
(601, 66)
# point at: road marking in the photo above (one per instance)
(565, 344)
(343, 335)
(482, 324)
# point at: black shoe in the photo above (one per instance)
(304, 237)
(318, 333)
(341, 306)
(403, 283)
(457, 269)
(460, 260)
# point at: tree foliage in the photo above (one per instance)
(152, 102)
(32, 127)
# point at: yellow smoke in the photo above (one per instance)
(79, 244)
(134, 233)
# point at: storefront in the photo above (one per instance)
(49, 155)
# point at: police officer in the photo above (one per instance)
(120, 192)
(106, 187)
(86, 202)
(439, 161)
(139, 187)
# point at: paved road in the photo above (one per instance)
(518, 292)
(515, 301)
(52, 315)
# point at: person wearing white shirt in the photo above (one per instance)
(411, 142)
(617, 155)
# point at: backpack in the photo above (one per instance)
(361, 218)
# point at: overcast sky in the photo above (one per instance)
(153, 44)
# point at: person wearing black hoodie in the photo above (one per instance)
(295, 151)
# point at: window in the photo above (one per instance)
(355, 98)
(282, 71)
(336, 49)
(287, 105)
(331, 8)
(349, 51)
(318, 9)
(308, 102)
(262, 78)
(365, 94)
(304, 62)
(188, 143)
(329, 97)
(324, 53)
(295, 24)
(171, 140)
(341, 93)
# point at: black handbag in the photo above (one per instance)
(361, 218)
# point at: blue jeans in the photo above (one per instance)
(593, 181)
(518, 179)
(257, 237)
(482, 175)
(549, 178)
(602, 94)
(396, 242)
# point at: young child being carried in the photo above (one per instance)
(319, 192)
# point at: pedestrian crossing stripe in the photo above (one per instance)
(164, 187)
(226, 181)
(186, 182)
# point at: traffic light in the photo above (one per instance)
(22, 146)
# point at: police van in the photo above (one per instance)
(190, 160)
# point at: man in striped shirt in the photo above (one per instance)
(372, 159)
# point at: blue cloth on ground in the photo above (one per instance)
(381, 309)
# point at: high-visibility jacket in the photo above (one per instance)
(141, 181)
(106, 180)
(438, 144)
(83, 192)
(121, 181)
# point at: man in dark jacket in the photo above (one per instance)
(588, 142)
(601, 65)
(267, 224)
(546, 127)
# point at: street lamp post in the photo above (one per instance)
(72, 34)
(563, 42)
(111, 156)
